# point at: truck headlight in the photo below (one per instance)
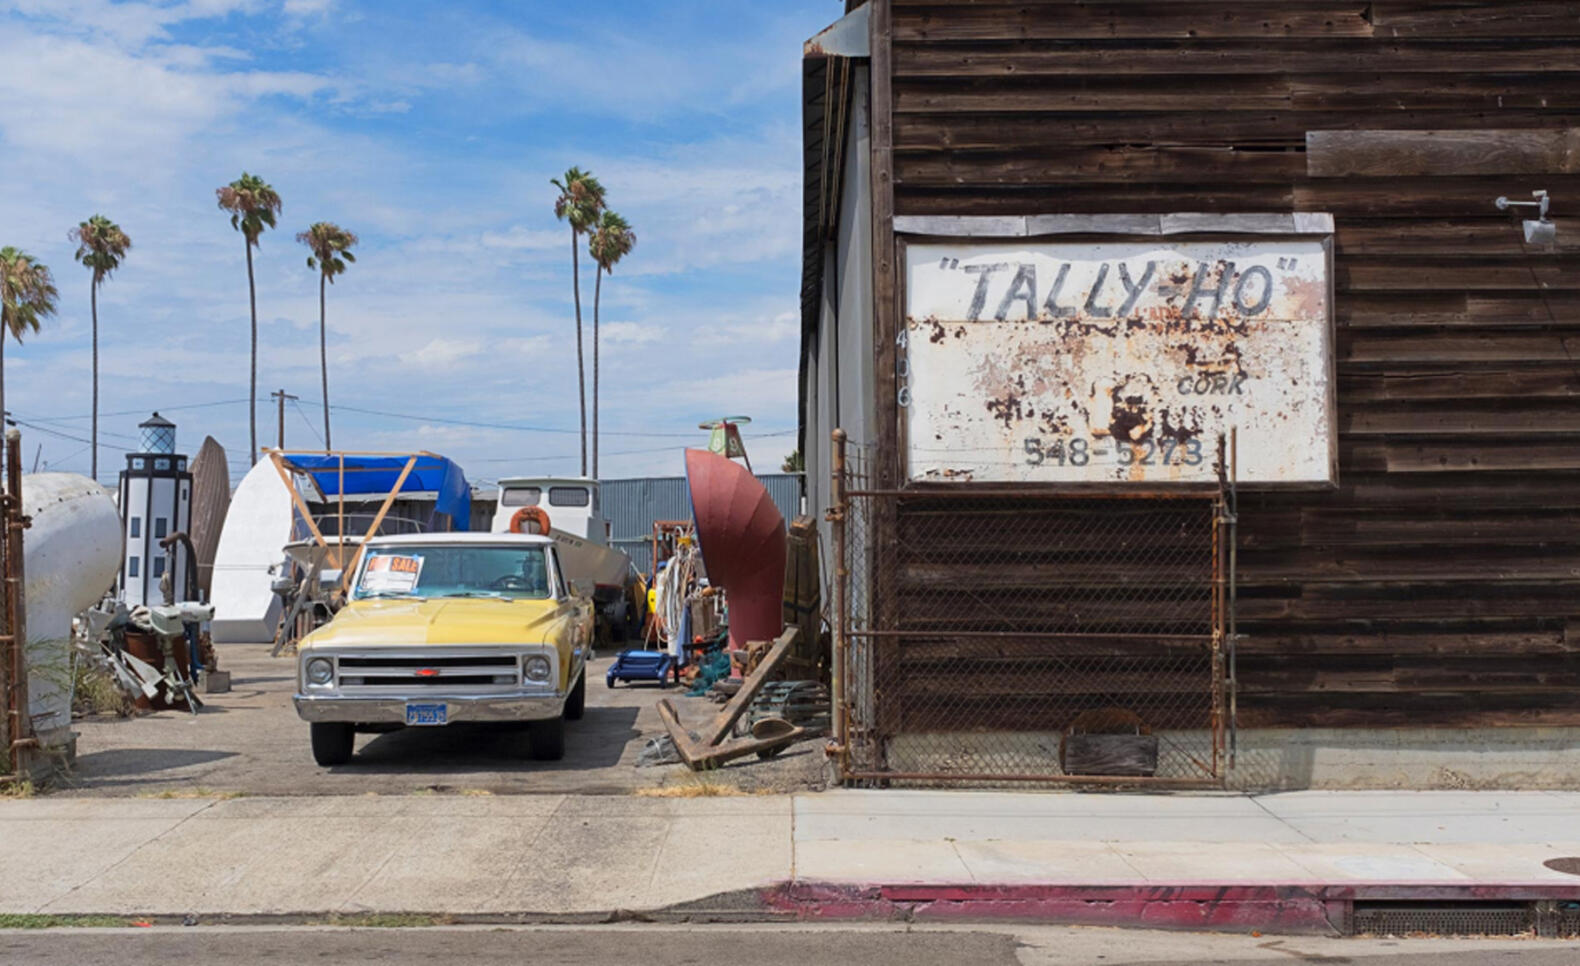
(320, 670)
(537, 669)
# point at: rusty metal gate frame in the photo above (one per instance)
(860, 749)
(16, 732)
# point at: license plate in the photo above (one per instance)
(427, 714)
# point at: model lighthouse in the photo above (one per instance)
(156, 501)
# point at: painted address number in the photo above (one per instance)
(1079, 452)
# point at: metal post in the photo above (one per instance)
(838, 514)
(21, 725)
(282, 396)
(1219, 512)
(1234, 560)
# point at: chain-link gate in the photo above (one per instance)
(988, 635)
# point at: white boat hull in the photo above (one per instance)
(70, 556)
(585, 560)
(257, 526)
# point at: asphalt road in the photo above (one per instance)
(778, 945)
(250, 742)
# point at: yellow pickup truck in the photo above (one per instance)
(442, 628)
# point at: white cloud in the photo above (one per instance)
(442, 353)
(761, 331)
(521, 238)
(307, 8)
(631, 333)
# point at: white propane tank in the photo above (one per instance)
(70, 556)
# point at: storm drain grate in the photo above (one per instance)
(1445, 919)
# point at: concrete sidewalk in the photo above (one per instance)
(840, 853)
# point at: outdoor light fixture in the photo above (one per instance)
(1538, 231)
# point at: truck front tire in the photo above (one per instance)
(576, 702)
(332, 742)
(546, 738)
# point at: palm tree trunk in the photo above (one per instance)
(93, 462)
(323, 359)
(252, 393)
(597, 297)
(581, 367)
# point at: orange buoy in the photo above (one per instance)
(536, 514)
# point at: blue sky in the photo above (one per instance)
(430, 130)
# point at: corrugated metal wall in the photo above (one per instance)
(631, 506)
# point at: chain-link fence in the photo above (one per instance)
(997, 636)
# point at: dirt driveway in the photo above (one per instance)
(250, 742)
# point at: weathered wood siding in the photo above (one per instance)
(1440, 583)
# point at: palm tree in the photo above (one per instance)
(331, 250)
(611, 240)
(580, 201)
(27, 294)
(101, 244)
(252, 204)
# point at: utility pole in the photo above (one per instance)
(282, 396)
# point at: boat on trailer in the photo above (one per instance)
(570, 505)
(342, 499)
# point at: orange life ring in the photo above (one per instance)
(536, 514)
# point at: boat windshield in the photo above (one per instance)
(455, 571)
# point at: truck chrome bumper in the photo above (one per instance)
(383, 709)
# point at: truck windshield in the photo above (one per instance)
(456, 571)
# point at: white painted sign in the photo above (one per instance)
(1118, 362)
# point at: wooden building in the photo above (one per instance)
(1435, 582)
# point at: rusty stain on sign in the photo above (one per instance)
(1090, 362)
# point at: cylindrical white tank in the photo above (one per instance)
(70, 557)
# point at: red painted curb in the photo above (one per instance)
(1287, 909)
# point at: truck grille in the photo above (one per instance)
(467, 673)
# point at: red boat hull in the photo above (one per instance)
(742, 537)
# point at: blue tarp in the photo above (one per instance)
(377, 474)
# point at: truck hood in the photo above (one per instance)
(394, 623)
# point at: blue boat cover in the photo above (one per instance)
(377, 474)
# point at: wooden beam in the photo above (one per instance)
(278, 459)
(1337, 154)
(709, 748)
(721, 724)
(373, 528)
(699, 756)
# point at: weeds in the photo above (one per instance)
(43, 921)
(95, 690)
(698, 787)
(21, 789)
(198, 792)
(387, 920)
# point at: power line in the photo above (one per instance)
(139, 412)
(311, 428)
(102, 432)
(627, 452)
(51, 432)
(515, 427)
